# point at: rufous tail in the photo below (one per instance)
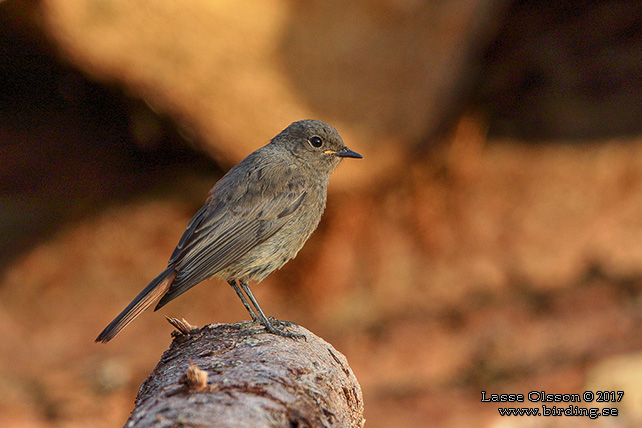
(145, 298)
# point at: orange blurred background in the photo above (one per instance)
(491, 239)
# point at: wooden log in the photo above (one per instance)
(237, 375)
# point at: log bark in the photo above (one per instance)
(236, 375)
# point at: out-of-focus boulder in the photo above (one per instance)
(385, 73)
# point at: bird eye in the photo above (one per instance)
(315, 141)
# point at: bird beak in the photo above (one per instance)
(344, 153)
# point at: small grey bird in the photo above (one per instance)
(257, 217)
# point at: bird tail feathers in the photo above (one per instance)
(145, 298)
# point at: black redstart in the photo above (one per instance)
(257, 217)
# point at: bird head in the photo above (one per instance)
(315, 143)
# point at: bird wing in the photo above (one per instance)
(233, 221)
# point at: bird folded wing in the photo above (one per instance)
(216, 236)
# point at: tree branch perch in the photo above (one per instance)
(238, 376)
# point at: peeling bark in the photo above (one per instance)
(237, 375)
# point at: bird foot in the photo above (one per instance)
(270, 328)
(282, 323)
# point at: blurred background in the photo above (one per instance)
(491, 239)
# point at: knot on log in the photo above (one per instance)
(248, 378)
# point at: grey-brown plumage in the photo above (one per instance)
(257, 217)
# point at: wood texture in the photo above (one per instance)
(236, 375)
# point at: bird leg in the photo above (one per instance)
(247, 305)
(264, 320)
